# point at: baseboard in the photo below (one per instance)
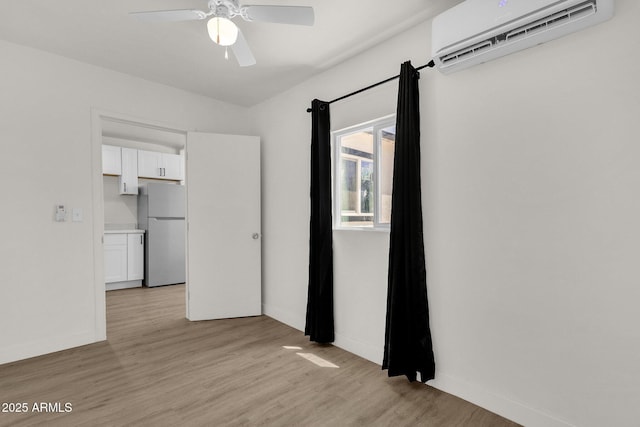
(510, 409)
(17, 352)
(114, 286)
(359, 348)
(283, 316)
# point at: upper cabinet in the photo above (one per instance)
(129, 176)
(122, 162)
(111, 160)
(149, 164)
(129, 164)
(152, 164)
(173, 167)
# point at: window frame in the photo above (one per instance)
(376, 125)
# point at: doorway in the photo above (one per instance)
(223, 215)
(122, 240)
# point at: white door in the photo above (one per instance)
(223, 226)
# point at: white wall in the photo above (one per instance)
(48, 293)
(531, 202)
(118, 208)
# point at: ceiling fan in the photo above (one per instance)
(223, 31)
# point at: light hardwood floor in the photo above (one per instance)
(158, 369)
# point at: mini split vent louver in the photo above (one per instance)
(477, 31)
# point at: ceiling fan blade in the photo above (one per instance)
(170, 15)
(242, 51)
(298, 15)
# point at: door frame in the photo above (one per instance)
(98, 117)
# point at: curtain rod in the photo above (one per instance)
(430, 64)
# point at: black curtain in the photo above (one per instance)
(408, 347)
(319, 325)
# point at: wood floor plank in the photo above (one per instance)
(158, 369)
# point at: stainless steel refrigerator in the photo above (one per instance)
(161, 213)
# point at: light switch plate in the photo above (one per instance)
(76, 215)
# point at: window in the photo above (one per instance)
(363, 168)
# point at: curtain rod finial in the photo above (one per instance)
(309, 110)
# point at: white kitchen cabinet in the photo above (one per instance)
(149, 164)
(173, 167)
(129, 176)
(123, 259)
(115, 258)
(152, 164)
(122, 162)
(111, 160)
(135, 256)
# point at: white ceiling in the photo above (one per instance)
(180, 54)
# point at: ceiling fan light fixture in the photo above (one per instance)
(222, 31)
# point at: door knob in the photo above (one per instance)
(255, 236)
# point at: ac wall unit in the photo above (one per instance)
(477, 31)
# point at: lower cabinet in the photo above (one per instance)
(135, 256)
(115, 258)
(123, 260)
